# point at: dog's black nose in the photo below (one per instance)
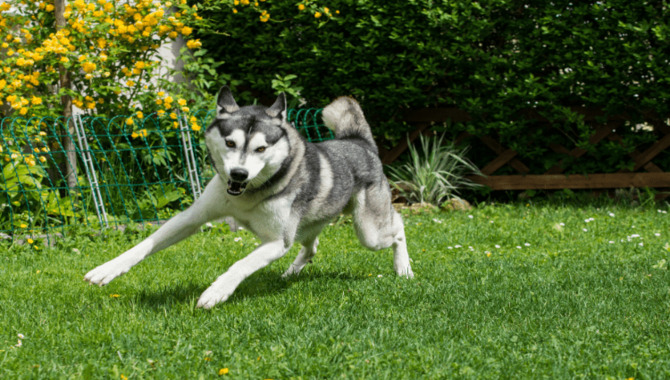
(239, 175)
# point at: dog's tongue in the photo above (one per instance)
(236, 188)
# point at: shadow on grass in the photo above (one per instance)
(259, 285)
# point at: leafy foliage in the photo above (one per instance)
(507, 63)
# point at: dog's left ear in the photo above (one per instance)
(278, 109)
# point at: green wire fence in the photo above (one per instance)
(101, 172)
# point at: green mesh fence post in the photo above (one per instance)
(189, 155)
(90, 171)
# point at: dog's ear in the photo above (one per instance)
(278, 109)
(225, 103)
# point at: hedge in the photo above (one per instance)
(495, 59)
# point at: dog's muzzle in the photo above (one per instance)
(237, 182)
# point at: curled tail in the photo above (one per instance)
(345, 118)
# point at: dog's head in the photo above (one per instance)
(248, 145)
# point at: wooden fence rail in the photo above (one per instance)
(645, 173)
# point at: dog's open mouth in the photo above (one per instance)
(236, 188)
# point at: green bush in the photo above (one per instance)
(498, 60)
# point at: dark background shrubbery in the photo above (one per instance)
(498, 60)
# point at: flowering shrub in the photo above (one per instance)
(108, 49)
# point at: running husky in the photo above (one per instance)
(283, 189)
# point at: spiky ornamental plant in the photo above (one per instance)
(435, 172)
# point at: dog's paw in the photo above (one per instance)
(103, 274)
(291, 271)
(405, 272)
(213, 295)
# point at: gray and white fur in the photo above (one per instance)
(283, 189)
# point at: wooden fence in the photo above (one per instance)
(644, 173)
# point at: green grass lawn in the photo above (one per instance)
(541, 291)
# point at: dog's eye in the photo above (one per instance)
(230, 144)
(260, 149)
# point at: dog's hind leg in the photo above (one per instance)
(305, 255)
(379, 226)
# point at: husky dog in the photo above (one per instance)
(283, 189)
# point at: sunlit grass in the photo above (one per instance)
(500, 291)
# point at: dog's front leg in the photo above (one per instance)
(225, 285)
(176, 229)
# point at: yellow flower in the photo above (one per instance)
(301, 7)
(129, 121)
(173, 116)
(317, 14)
(115, 296)
(195, 127)
(223, 371)
(130, 83)
(186, 30)
(140, 115)
(193, 44)
(181, 102)
(88, 67)
(36, 101)
(23, 111)
(23, 225)
(30, 241)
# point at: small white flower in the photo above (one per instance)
(470, 248)
(239, 238)
(561, 224)
(633, 236)
(458, 246)
(611, 242)
(437, 221)
(19, 344)
(470, 216)
(21, 336)
(611, 214)
(450, 247)
(518, 247)
(527, 244)
(497, 246)
(641, 244)
(585, 230)
(657, 234)
(379, 276)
